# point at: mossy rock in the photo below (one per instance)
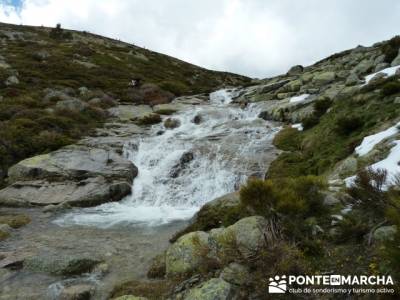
(15, 221)
(222, 211)
(129, 297)
(213, 289)
(187, 254)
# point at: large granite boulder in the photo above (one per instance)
(185, 255)
(76, 175)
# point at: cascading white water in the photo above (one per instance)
(183, 168)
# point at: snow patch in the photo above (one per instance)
(369, 142)
(390, 164)
(298, 126)
(388, 72)
(300, 98)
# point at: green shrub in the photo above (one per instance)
(288, 139)
(175, 87)
(391, 88)
(368, 193)
(346, 125)
(353, 227)
(310, 121)
(259, 195)
(321, 106)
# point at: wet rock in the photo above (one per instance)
(236, 274)
(12, 80)
(186, 158)
(197, 119)
(213, 289)
(385, 233)
(171, 123)
(295, 70)
(183, 257)
(60, 265)
(77, 292)
(71, 104)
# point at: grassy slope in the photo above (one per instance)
(30, 125)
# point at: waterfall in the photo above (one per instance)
(217, 146)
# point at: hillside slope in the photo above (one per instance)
(55, 85)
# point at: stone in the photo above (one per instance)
(381, 66)
(83, 90)
(84, 193)
(396, 100)
(183, 257)
(77, 175)
(396, 61)
(247, 234)
(197, 119)
(324, 78)
(41, 55)
(307, 77)
(77, 292)
(186, 158)
(272, 86)
(236, 274)
(346, 167)
(385, 233)
(363, 67)
(71, 104)
(295, 70)
(11, 80)
(379, 59)
(353, 79)
(213, 289)
(293, 86)
(330, 199)
(172, 123)
(61, 264)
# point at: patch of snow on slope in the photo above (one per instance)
(390, 164)
(300, 98)
(369, 142)
(298, 126)
(388, 72)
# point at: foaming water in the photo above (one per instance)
(215, 148)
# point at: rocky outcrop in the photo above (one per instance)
(195, 249)
(213, 289)
(86, 174)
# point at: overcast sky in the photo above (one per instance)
(258, 38)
